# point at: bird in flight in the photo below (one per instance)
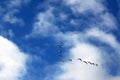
(89, 62)
(61, 55)
(70, 59)
(59, 46)
(80, 59)
(96, 64)
(85, 62)
(92, 63)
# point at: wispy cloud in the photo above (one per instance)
(108, 38)
(83, 6)
(12, 61)
(9, 10)
(100, 26)
(11, 18)
(6, 33)
(95, 8)
(89, 52)
(44, 24)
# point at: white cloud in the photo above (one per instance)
(6, 33)
(63, 16)
(108, 38)
(16, 3)
(10, 18)
(82, 6)
(115, 78)
(44, 24)
(10, 33)
(79, 47)
(108, 20)
(96, 8)
(80, 71)
(77, 70)
(12, 61)
(10, 9)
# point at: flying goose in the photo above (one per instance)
(80, 59)
(85, 62)
(59, 46)
(70, 59)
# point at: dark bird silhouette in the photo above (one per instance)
(59, 46)
(89, 62)
(80, 59)
(61, 55)
(70, 59)
(85, 62)
(92, 63)
(96, 64)
(59, 51)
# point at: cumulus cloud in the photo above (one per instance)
(76, 70)
(12, 61)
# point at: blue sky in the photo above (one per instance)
(86, 29)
